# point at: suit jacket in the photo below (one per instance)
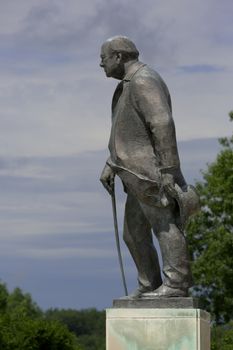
(143, 140)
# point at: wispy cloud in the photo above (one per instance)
(201, 68)
(52, 88)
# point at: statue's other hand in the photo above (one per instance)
(107, 179)
(168, 182)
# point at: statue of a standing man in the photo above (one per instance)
(143, 153)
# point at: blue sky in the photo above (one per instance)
(56, 226)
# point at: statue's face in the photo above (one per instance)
(111, 63)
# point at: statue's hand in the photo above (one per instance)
(107, 179)
(168, 182)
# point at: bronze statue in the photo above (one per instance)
(143, 153)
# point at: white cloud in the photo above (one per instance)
(65, 253)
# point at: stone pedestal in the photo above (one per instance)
(157, 329)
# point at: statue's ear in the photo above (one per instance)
(119, 57)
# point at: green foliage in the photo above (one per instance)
(23, 326)
(22, 304)
(88, 325)
(222, 337)
(3, 297)
(210, 236)
(24, 333)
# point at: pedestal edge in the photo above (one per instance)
(157, 303)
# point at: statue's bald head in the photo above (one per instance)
(123, 45)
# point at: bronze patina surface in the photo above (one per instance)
(144, 154)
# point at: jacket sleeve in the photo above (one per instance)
(152, 102)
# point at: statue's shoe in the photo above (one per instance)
(166, 292)
(138, 293)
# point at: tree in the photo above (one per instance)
(222, 337)
(3, 297)
(22, 303)
(88, 325)
(23, 333)
(23, 325)
(210, 236)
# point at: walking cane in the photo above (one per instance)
(114, 211)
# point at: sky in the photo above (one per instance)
(56, 237)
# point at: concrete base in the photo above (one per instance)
(158, 329)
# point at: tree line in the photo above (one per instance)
(24, 326)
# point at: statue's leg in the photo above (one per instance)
(176, 265)
(138, 238)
